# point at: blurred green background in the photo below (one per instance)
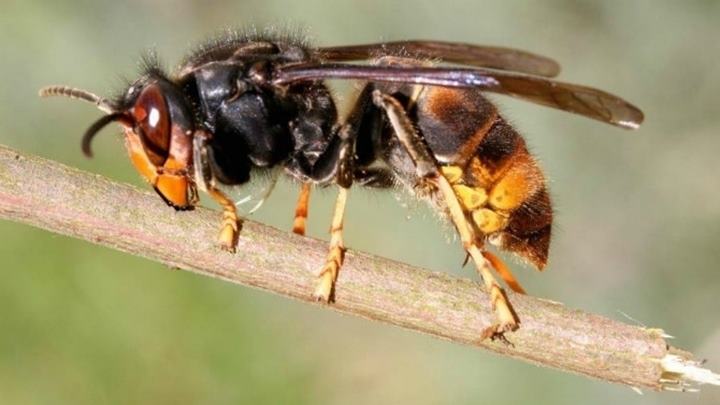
(637, 234)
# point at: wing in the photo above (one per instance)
(586, 101)
(466, 54)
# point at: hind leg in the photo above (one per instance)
(428, 170)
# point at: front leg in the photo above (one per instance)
(428, 171)
(230, 226)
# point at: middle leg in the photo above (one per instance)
(325, 287)
(342, 161)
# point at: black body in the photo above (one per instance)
(255, 124)
(262, 102)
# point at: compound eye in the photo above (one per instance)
(152, 122)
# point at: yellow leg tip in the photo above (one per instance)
(326, 284)
(299, 227)
(228, 238)
(324, 290)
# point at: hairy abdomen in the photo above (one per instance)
(499, 183)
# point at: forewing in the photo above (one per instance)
(582, 100)
(453, 52)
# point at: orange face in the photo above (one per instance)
(160, 149)
(170, 180)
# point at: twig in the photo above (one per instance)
(52, 196)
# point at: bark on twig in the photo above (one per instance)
(52, 196)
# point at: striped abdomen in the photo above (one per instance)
(496, 179)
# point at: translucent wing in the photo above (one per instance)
(466, 54)
(582, 100)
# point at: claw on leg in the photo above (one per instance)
(301, 209)
(325, 288)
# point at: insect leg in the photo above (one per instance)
(230, 226)
(301, 209)
(328, 274)
(204, 179)
(325, 288)
(504, 272)
(344, 160)
(427, 170)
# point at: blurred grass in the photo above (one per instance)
(638, 221)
